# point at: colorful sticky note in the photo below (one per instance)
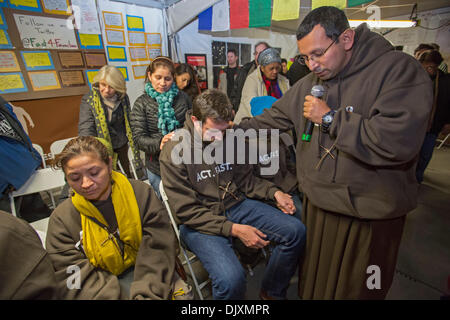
(124, 71)
(8, 62)
(5, 42)
(90, 74)
(260, 13)
(90, 41)
(3, 24)
(135, 23)
(116, 53)
(30, 5)
(285, 9)
(44, 80)
(12, 83)
(37, 60)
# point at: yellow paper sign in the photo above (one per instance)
(341, 4)
(89, 40)
(116, 53)
(1, 20)
(11, 82)
(135, 22)
(37, 59)
(124, 72)
(3, 38)
(25, 3)
(285, 9)
(91, 74)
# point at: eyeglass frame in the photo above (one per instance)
(303, 59)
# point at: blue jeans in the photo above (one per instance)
(226, 272)
(426, 152)
(154, 180)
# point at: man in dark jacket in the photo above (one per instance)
(357, 172)
(26, 271)
(243, 72)
(440, 111)
(210, 200)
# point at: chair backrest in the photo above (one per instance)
(41, 152)
(41, 180)
(58, 146)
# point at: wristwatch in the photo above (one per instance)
(327, 119)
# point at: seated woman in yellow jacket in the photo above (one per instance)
(108, 231)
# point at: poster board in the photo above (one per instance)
(46, 58)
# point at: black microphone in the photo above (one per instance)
(316, 91)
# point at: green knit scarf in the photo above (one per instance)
(166, 114)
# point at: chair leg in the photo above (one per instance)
(443, 141)
(13, 205)
(194, 278)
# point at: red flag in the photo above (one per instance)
(238, 14)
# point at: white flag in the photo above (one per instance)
(221, 16)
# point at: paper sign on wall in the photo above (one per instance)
(8, 62)
(37, 60)
(135, 23)
(30, 5)
(56, 6)
(87, 11)
(90, 41)
(5, 42)
(115, 37)
(116, 53)
(12, 83)
(45, 33)
(113, 20)
(44, 80)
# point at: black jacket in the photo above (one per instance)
(442, 114)
(144, 124)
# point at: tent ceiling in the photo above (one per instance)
(389, 9)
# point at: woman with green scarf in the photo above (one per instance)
(157, 113)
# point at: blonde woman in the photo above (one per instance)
(105, 112)
(112, 238)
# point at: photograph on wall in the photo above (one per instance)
(198, 63)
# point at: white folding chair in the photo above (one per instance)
(41, 180)
(187, 260)
(58, 146)
(442, 141)
(41, 153)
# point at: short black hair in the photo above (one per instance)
(423, 46)
(232, 50)
(431, 56)
(332, 19)
(213, 104)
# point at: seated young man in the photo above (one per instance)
(208, 190)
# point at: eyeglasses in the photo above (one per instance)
(303, 59)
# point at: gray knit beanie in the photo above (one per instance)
(268, 56)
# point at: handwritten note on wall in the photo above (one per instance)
(45, 33)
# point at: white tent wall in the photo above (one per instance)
(410, 38)
(154, 22)
(192, 41)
